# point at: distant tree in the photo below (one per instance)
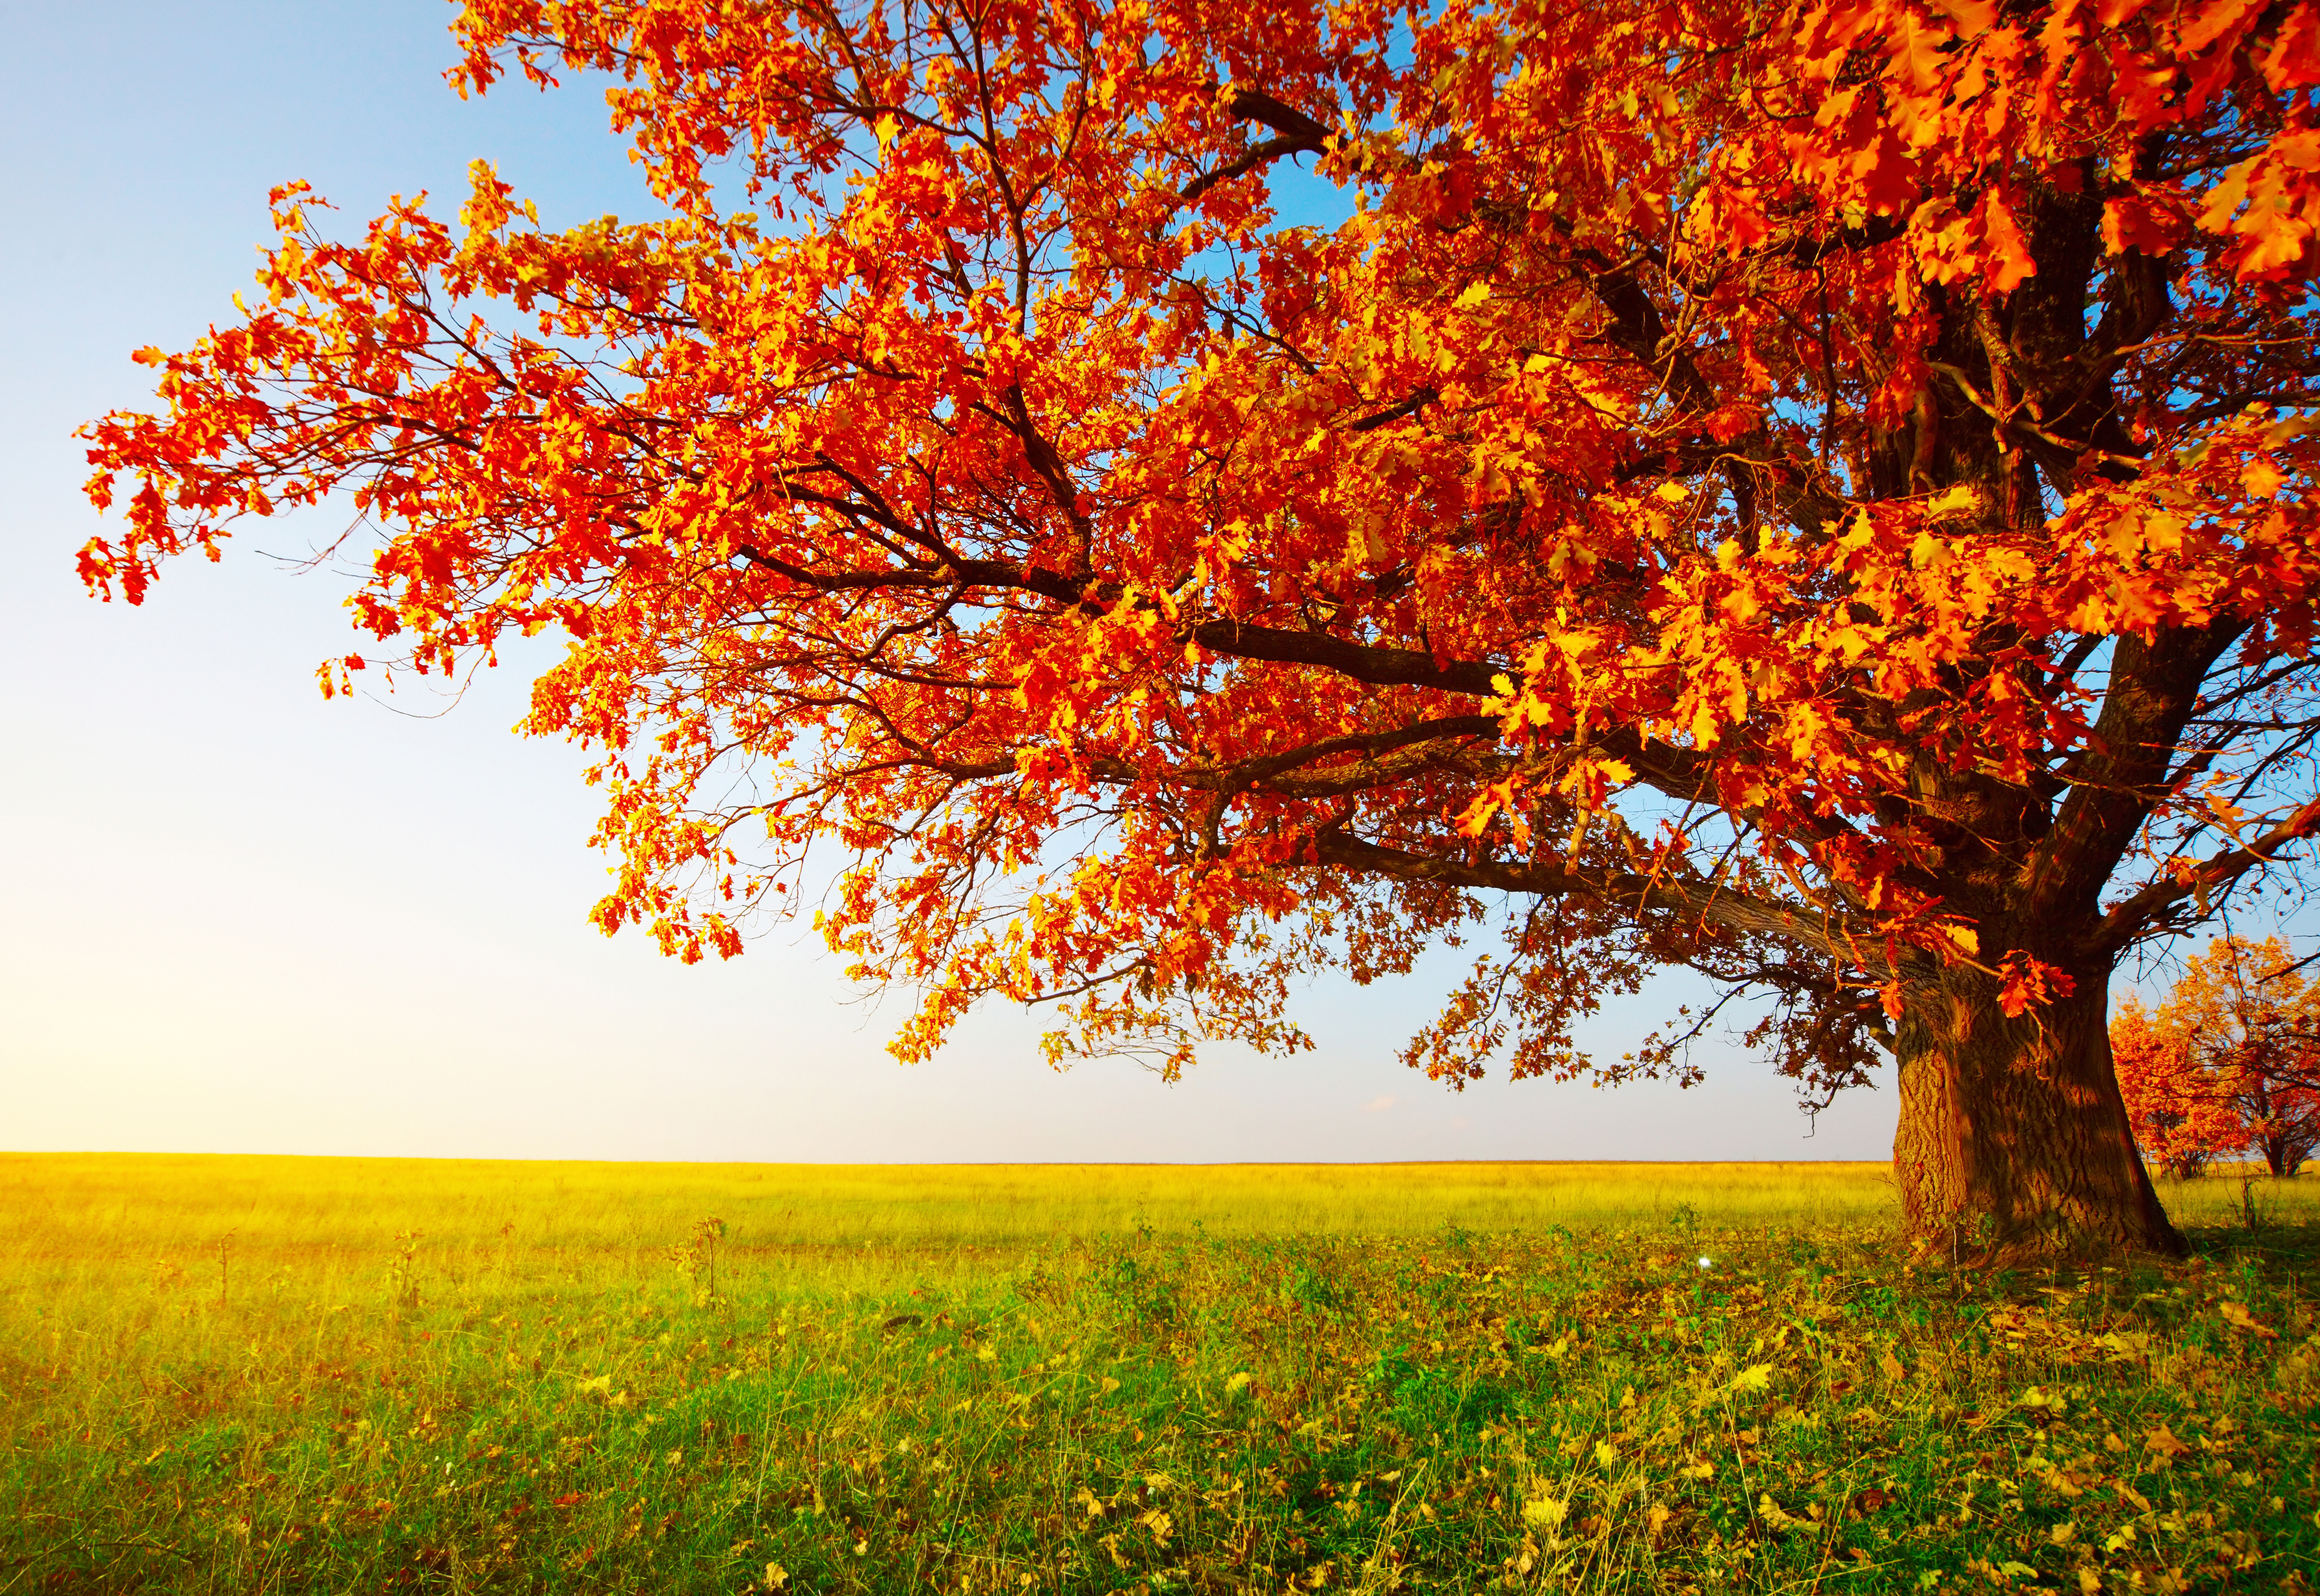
(2182, 1120)
(1822, 495)
(2229, 1063)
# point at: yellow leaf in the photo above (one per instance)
(1757, 1376)
(1772, 1513)
(1966, 939)
(1474, 296)
(2239, 1318)
(1548, 1511)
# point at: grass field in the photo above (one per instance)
(284, 1375)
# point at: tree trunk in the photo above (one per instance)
(2014, 1143)
(2283, 1154)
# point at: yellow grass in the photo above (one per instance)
(350, 1228)
(168, 1200)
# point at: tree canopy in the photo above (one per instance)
(1819, 496)
(2229, 1063)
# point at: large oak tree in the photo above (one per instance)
(1822, 497)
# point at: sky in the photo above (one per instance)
(240, 919)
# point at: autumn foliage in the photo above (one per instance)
(1175, 497)
(2229, 1064)
(2183, 1119)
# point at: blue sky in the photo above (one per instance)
(241, 919)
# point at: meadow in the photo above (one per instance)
(310, 1375)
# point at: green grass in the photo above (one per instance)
(496, 1377)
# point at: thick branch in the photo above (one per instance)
(2126, 920)
(2154, 689)
(1300, 135)
(1715, 903)
(1380, 667)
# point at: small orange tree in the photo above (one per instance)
(2230, 1061)
(1821, 496)
(2183, 1119)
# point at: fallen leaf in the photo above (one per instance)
(2239, 1318)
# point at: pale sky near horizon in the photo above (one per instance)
(241, 919)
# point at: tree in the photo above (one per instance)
(2230, 1061)
(2182, 1118)
(1819, 497)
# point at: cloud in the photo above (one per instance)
(1378, 1105)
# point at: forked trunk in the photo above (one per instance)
(2014, 1142)
(2283, 1153)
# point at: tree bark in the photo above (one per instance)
(2014, 1142)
